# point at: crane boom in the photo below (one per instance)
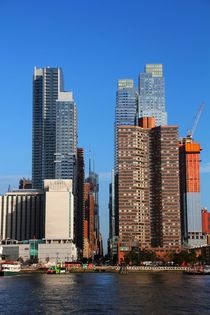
(200, 110)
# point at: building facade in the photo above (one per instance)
(25, 183)
(66, 137)
(113, 239)
(89, 239)
(152, 94)
(205, 215)
(80, 200)
(190, 199)
(59, 210)
(22, 215)
(92, 237)
(47, 83)
(126, 110)
(148, 213)
(57, 252)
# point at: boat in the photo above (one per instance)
(56, 270)
(198, 271)
(62, 270)
(206, 270)
(9, 269)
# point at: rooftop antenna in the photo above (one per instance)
(94, 162)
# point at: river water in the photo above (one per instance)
(105, 293)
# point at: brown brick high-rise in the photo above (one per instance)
(148, 186)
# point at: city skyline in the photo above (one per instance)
(92, 74)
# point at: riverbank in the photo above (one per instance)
(130, 269)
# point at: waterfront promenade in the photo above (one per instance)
(131, 269)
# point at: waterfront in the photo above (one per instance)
(105, 293)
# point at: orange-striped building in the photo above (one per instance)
(189, 157)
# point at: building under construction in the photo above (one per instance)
(190, 199)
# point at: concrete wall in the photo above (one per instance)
(10, 252)
(57, 252)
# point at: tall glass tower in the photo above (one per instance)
(152, 94)
(66, 137)
(126, 109)
(47, 83)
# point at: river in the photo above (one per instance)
(105, 293)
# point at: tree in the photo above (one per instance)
(184, 257)
(147, 255)
(131, 258)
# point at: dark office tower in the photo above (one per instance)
(148, 187)
(92, 211)
(113, 232)
(80, 204)
(152, 94)
(47, 83)
(89, 239)
(92, 179)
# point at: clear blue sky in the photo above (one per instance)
(96, 43)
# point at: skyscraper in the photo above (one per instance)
(126, 110)
(126, 113)
(80, 200)
(152, 94)
(189, 158)
(92, 179)
(148, 187)
(47, 83)
(66, 137)
(91, 228)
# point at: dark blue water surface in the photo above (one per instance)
(105, 293)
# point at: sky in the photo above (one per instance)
(97, 42)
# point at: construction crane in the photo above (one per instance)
(197, 118)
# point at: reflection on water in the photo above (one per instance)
(106, 293)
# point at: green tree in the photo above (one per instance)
(131, 257)
(147, 255)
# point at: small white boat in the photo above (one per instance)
(9, 269)
(206, 270)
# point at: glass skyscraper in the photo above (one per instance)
(152, 94)
(47, 83)
(66, 137)
(126, 110)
